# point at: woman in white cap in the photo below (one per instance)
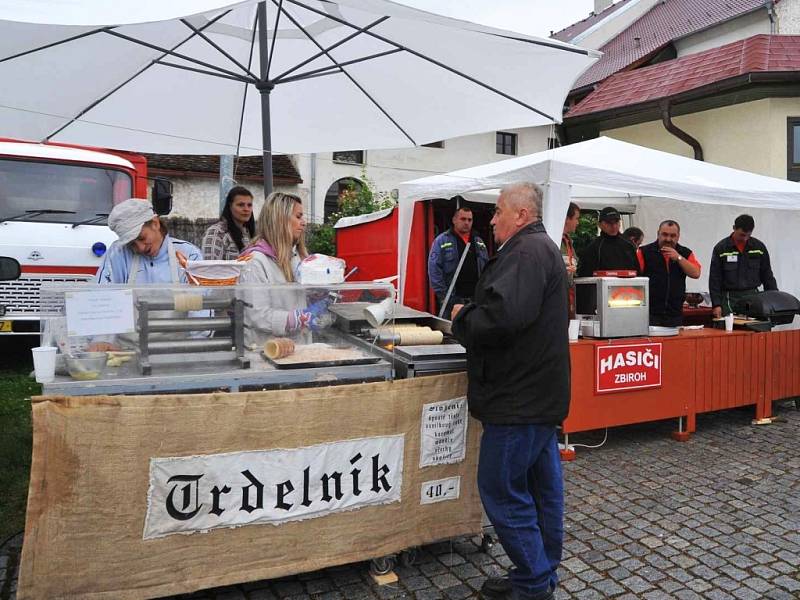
(144, 252)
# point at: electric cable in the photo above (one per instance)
(605, 439)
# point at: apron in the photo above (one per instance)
(132, 340)
(173, 266)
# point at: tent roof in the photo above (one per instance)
(608, 164)
(599, 170)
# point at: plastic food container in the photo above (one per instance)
(85, 366)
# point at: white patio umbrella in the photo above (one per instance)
(289, 76)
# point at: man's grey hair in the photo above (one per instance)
(525, 195)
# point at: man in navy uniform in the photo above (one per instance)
(739, 264)
(445, 255)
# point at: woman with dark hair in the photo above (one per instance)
(226, 238)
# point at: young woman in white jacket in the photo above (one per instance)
(276, 252)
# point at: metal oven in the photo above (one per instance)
(610, 307)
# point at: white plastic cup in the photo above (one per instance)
(729, 322)
(574, 329)
(44, 363)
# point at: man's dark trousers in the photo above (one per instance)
(519, 478)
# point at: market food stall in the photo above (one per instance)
(144, 496)
(174, 492)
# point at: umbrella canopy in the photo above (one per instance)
(286, 75)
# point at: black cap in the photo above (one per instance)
(609, 213)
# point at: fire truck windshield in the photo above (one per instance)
(59, 192)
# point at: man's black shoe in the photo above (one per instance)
(499, 588)
(496, 588)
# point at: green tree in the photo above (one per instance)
(586, 231)
(356, 199)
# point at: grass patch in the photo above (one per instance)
(16, 388)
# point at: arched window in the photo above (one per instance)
(335, 191)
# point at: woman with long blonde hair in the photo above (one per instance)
(276, 252)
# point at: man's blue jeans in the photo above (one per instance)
(520, 482)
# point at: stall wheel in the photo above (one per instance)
(408, 557)
(487, 543)
(382, 565)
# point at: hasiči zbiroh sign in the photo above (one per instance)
(628, 367)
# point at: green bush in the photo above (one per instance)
(321, 239)
(586, 231)
(355, 200)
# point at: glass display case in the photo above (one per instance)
(117, 333)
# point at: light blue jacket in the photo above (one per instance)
(119, 260)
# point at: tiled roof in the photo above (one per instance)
(248, 167)
(566, 34)
(760, 53)
(666, 21)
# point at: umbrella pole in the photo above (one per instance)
(266, 140)
(265, 87)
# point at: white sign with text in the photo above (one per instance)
(440, 490)
(443, 432)
(198, 493)
(99, 312)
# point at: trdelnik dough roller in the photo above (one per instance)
(415, 342)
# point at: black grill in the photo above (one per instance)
(779, 308)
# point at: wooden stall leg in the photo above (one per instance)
(382, 570)
(567, 452)
(763, 412)
(683, 435)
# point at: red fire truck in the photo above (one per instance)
(54, 201)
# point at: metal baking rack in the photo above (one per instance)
(157, 346)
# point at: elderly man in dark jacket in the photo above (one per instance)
(515, 333)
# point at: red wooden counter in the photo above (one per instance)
(590, 409)
(781, 367)
(700, 371)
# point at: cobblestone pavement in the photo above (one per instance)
(717, 517)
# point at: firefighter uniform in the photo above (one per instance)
(736, 274)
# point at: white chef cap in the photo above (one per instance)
(126, 218)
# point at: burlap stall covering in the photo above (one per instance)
(89, 483)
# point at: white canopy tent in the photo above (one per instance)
(704, 198)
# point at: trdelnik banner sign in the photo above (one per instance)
(198, 493)
(628, 367)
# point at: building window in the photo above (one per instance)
(350, 157)
(793, 149)
(506, 143)
(435, 144)
(335, 193)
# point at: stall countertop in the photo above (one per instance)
(126, 379)
(706, 332)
